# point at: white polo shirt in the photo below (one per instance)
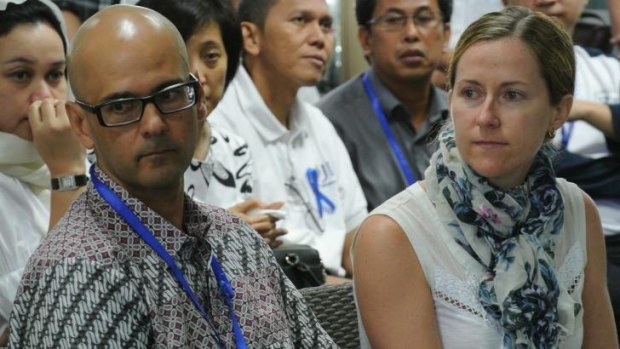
(597, 79)
(306, 166)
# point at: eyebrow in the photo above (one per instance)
(210, 43)
(129, 94)
(24, 60)
(313, 15)
(503, 84)
(401, 11)
(326, 17)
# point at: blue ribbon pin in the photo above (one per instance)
(321, 199)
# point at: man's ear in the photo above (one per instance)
(77, 118)
(447, 31)
(251, 35)
(363, 35)
(202, 110)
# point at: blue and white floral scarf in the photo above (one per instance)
(512, 234)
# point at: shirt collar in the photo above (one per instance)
(263, 120)
(387, 100)
(438, 107)
(195, 222)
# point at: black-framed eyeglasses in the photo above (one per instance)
(125, 111)
(424, 19)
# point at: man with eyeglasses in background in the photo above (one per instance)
(389, 115)
(136, 263)
(298, 156)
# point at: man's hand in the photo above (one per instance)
(264, 224)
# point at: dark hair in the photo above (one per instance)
(255, 11)
(81, 8)
(29, 12)
(365, 8)
(547, 41)
(191, 15)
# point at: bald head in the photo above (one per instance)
(116, 39)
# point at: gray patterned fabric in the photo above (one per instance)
(94, 283)
(334, 306)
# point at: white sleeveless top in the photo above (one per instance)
(461, 318)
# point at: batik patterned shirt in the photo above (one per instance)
(94, 283)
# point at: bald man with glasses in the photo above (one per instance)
(136, 263)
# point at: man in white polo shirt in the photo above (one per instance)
(298, 155)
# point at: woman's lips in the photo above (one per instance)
(490, 144)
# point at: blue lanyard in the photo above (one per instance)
(134, 222)
(567, 131)
(398, 153)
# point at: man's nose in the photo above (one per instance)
(152, 122)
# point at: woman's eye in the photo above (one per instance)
(211, 56)
(56, 75)
(513, 95)
(469, 93)
(19, 75)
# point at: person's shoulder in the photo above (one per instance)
(218, 116)
(594, 57)
(314, 116)
(323, 129)
(337, 103)
(77, 235)
(592, 52)
(569, 189)
(227, 109)
(347, 90)
(412, 207)
(379, 232)
(222, 136)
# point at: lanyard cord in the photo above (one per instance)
(134, 222)
(405, 169)
(228, 292)
(567, 132)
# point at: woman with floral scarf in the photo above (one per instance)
(491, 250)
